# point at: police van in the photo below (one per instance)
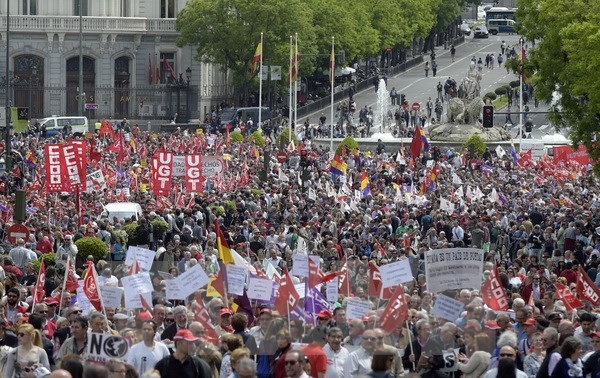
(56, 124)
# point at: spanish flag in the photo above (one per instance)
(338, 165)
(295, 65)
(256, 58)
(332, 65)
(365, 184)
(222, 246)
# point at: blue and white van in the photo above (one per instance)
(56, 124)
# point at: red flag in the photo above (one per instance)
(146, 305)
(149, 70)
(218, 283)
(287, 297)
(376, 284)
(38, 291)
(90, 287)
(396, 311)
(315, 274)
(167, 67)
(70, 279)
(586, 288)
(416, 144)
(118, 147)
(493, 292)
(135, 267)
(202, 316)
(162, 168)
(570, 301)
(194, 180)
(380, 249)
(106, 129)
(343, 282)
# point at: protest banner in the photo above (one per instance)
(135, 286)
(565, 154)
(162, 166)
(453, 269)
(395, 273)
(236, 279)
(111, 296)
(192, 279)
(144, 257)
(300, 266)
(447, 308)
(332, 290)
(356, 309)
(95, 182)
(103, 346)
(82, 300)
(260, 289)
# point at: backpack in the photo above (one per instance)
(142, 234)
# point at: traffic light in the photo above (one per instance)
(402, 99)
(488, 116)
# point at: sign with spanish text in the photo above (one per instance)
(453, 269)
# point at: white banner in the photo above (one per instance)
(95, 182)
(236, 279)
(260, 288)
(447, 308)
(356, 309)
(103, 346)
(396, 273)
(144, 257)
(111, 296)
(211, 166)
(453, 269)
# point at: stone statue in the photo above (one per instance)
(470, 86)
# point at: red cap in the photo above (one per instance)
(529, 322)
(225, 311)
(50, 301)
(143, 316)
(265, 311)
(324, 314)
(185, 334)
(597, 333)
(492, 324)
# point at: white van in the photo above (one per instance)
(55, 124)
(501, 26)
(122, 210)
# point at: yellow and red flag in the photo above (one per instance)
(256, 58)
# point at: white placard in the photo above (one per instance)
(145, 257)
(104, 346)
(332, 290)
(453, 269)
(300, 266)
(260, 289)
(446, 205)
(357, 309)
(82, 300)
(173, 290)
(236, 279)
(95, 182)
(447, 308)
(301, 289)
(192, 279)
(165, 275)
(450, 361)
(111, 296)
(211, 165)
(136, 286)
(396, 273)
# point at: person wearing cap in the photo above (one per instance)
(324, 318)
(591, 361)
(181, 322)
(120, 321)
(265, 316)
(225, 321)
(526, 343)
(145, 354)
(181, 364)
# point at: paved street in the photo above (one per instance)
(419, 88)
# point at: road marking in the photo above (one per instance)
(544, 127)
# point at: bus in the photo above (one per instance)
(500, 13)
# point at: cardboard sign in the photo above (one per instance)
(103, 346)
(332, 290)
(136, 285)
(357, 309)
(260, 289)
(453, 269)
(95, 182)
(300, 265)
(111, 296)
(236, 279)
(396, 273)
(188, 282)
(144, 257)
(447, 308)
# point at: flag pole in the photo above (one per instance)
(408, 332)
(64, 285)
(332, 82)
(290, 100)
(296, 85)
(260, 83)
(521, 97)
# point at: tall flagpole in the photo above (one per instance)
(296, 85)
(521, 96)
(290, 94)
(332, 82)
(260, 82)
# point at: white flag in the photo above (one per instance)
(493, 196)
(456, 179)
(446, 205)
(500, 152)
(282, 176)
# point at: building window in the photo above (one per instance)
(167, 68)
(167, 8)
(29, 7)
(124, 8)
(83, 4)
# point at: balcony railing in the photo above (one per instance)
(62, 24)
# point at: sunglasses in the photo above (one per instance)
(507, 355)
(169, 320)
(77, 312)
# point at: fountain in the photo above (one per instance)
(381, 121)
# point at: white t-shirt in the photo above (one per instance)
(143, 358)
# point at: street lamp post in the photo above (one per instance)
(7, 145)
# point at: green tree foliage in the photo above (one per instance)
(476, 144)
(283, 139)
(564, 61)
(95, 247)
(350, 143)
(236, 136)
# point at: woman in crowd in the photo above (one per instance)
(532, 362)
(284, 345)
(28, 356)
(570, 365)
(477, 364)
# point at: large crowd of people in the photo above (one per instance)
(537, 223)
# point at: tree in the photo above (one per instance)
(562, 64)
(227, 32)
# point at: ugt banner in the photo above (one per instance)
(565, 154)
(162, 163)
(193, 173)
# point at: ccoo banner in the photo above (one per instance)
(193, 173)
(74, 161)
(56, 170)
(162, 162)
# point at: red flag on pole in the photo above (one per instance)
(90, 287)
(70, 279)
(202, 316)
(416, 144)
(570, 301)
(376, 284)
(106, 129)
(287, 297)
(493, 292)
(38, 291)
(167, 67)
(396, 311)
(149, 70)
(586, 288)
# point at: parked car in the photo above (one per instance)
(465, 28)
(481, 32)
